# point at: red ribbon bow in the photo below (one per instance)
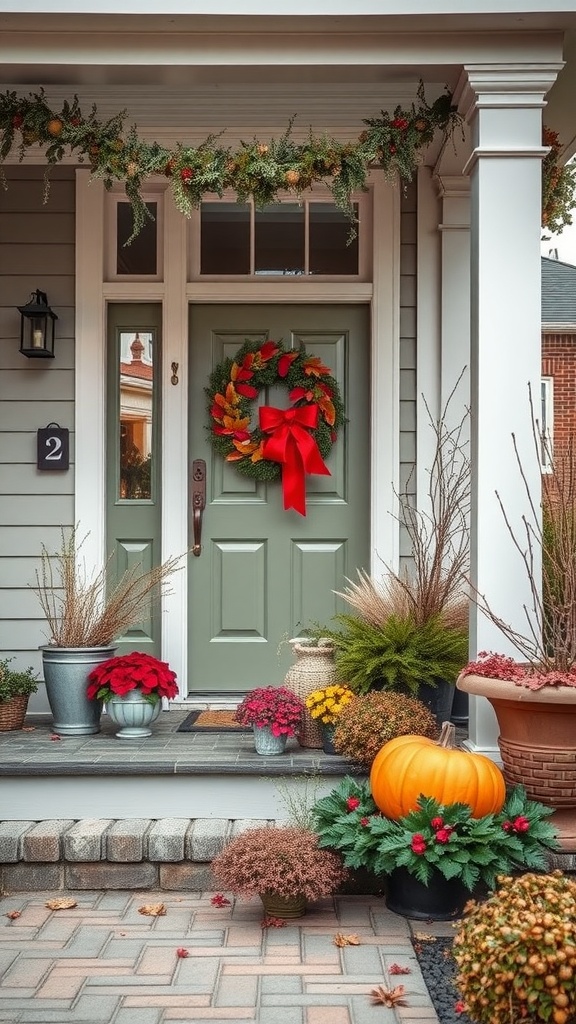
(294, 447)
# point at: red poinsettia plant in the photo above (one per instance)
(273, 706)
(137, 671)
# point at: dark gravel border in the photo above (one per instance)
(438, 970)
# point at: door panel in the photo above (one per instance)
(264, 573)
(133, 453)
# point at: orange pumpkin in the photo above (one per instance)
(410, 766)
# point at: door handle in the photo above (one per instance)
(198, 502)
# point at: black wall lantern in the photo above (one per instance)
(37, 327)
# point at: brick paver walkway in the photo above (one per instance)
(102, 962)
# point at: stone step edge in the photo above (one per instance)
(95, 853)
(124, 841)
(172, 854)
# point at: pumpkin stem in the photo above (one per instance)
(447, 736)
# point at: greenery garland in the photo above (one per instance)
(558, 186)
(235, 383)
(257, 170)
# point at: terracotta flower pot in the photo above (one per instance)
(537, 742)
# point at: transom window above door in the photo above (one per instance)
(287, 239)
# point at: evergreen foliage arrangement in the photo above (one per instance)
(397, 654)
(15, 684)
(435, 837)
(257, 170)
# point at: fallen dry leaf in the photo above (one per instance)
(61, 904)
(424, 937)
(219, 900)
(397, 969)
(13, 914)
(383, 996)
(152, 910)
(272, 922)
(28, 728)
(346, 940)
(183, 953)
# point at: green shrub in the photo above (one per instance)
(398, 654)
(370, 720)
(15, 684)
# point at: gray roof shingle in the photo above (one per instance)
(558, 292)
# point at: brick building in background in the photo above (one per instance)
(558, 348)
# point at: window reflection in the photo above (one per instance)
(279, 239)
(136, 407)
(140, 257)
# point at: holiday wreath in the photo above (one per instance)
(292, 442)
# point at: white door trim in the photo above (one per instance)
(92, 295)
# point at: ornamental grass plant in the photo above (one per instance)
(286, 861)
(85, 609)
(369, 721)
(516, 952)
(409, 628)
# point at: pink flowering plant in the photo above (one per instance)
(533, 677)
(273, 706)
(286, 860)
(435, 837)
(137, 671)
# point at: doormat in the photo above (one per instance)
(212, 721)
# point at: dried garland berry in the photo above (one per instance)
(235, 383)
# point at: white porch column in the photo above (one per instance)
(454, 192)
(503, 105)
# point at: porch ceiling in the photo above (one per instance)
(259, 69)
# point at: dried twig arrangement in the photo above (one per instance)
(436, 585)
(84, 610)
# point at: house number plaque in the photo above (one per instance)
(53, 447)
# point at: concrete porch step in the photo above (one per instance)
(170, 774)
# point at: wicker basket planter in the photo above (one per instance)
(13, 713)
(313, 669)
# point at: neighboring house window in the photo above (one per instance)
(546, 424)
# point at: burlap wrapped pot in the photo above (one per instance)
(313, 669)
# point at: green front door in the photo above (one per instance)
(264, 574)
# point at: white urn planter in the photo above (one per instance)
(134, 714)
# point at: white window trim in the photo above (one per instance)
(546, 424)
(152, 195)
(92, 295)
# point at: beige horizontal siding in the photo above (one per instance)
(36, 252)
(19, 448)
(22, 415)
(22, 480)
(18, 572)
(19, 230)
(16, 542)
